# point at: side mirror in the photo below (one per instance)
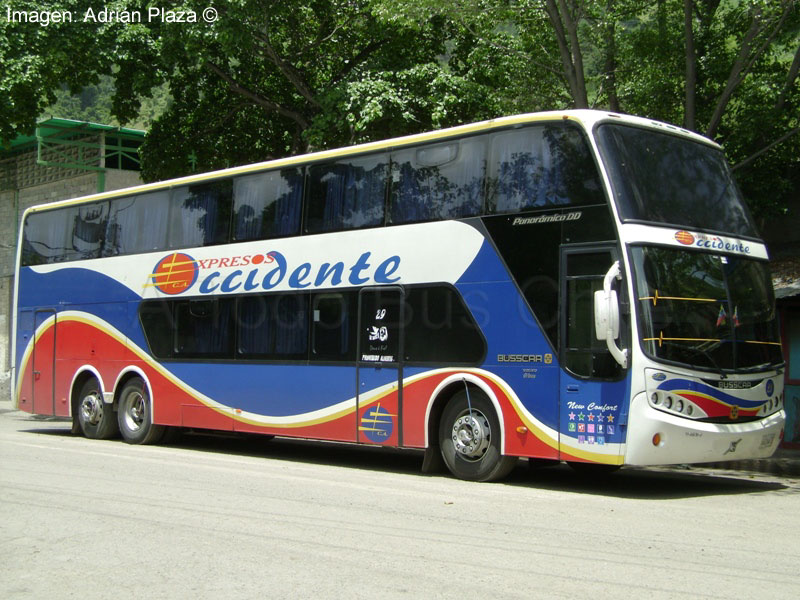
(606, 315)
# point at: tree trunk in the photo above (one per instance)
(610, 66)
(566, 30)
(690, 102)
(746, 59)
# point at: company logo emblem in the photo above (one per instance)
(174, 274)
(685, 238)
(734, 414)
(659, 376)
(732, 448)
(770, 388)
(177, 272)
(377, 423)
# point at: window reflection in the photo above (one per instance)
(706, 310)
(267, 204)
(532, 167)
(442, 181)
(138, 224)
(664, 178)
(200, 214)
(347, 195)
(541, 166)
(70, 233)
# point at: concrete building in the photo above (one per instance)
(64, 159)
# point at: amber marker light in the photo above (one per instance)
(657, 439)
(522, 429)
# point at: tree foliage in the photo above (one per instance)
(271, 78)
(725, 68)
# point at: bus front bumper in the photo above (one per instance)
(657, 438)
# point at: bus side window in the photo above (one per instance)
(267, 205)
(200, 215)
(69, 233)
(45, 238)
(272, 326)
(438, 181)
(158, 324)
(541, 166)
(584, 354)
(126, 233)
(204, 328)
(440, 328)
(334, 322)
(347, 195)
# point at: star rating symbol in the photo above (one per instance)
(571, 416)
(610, 418)
(600, 418)
(580, 416)
(591, 417)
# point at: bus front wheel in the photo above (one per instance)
(469, 438)
(134, 414)
(95, 417)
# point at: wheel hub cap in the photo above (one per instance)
(471, 435)
(134, 415)
(91, 409)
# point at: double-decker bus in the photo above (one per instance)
(575, 286)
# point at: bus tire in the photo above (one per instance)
(469, 439)
(133, 414)
(96, 419)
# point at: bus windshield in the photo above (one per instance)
(663, 178)
(707, 311)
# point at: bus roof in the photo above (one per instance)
(587, 118)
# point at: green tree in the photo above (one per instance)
(272, 78)
(729, 70)
(37, 60)
(725, 68)
(267, 79)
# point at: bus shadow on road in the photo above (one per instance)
(335, 454)
(652, 483)
(631, 482)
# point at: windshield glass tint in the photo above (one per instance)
(705, 310)
(663, 178)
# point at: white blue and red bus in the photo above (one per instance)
(576, 286)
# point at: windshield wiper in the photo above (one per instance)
(696, 350)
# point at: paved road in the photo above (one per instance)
(214, 517)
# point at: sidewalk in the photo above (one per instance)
(785, 463)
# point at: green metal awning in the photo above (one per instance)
(53, 127)
(70, 144)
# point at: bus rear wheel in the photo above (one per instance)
(95, 418)
(134, 414)
(469, 438)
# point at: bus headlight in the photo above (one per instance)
(677, 405)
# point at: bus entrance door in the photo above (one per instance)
(44, 355)
(591, 382)
(380, 365)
